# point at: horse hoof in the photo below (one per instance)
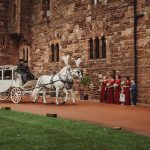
(44, 102)
(63, 103)
(57, 104)
(74, 104)
(52, 103)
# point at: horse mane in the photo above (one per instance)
(63, 69)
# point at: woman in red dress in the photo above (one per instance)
(110, 88)
(126, 91)
(117, 89)
(103, 94)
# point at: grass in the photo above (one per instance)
(24, 131)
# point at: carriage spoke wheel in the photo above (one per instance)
(16, 95)
(4, 96)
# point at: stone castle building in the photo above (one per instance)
(111, 36)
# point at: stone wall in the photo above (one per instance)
(71, 24)
(144, 51)
(3, 31)
(15, 29)
(25, 20)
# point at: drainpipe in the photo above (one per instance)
(136, 17)
(135, 40)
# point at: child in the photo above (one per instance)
(122, 97)
(133, 90)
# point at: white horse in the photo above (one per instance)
(69, 84)
(75, 73)
(52, 82)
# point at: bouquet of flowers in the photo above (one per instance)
(115, 85)
(122, 82)
(108, 84)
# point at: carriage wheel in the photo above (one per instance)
(4, 96)
(16, 95)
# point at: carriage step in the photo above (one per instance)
(52, 115)
(5, 108)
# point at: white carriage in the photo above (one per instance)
(10, 85)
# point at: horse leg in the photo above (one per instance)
(57, 94)
(72, 95)
(35, 94)
(66, 97)
(44, 96)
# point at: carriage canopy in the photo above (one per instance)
(6, 77)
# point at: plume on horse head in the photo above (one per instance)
(77, 62)
(66, 59)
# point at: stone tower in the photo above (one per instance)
(15, 27)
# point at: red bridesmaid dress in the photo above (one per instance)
(103, 94)
(126, 91)
(117, 90)
(110, 93)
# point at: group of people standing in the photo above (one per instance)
(114, 88)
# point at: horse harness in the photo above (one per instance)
(60, 79)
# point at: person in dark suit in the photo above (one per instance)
(133, 90)
(21, 65)
(22, 71)
(25, 72)
(29, 75)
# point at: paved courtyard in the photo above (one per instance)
(136, 119)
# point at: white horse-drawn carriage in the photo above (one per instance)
(11, 84)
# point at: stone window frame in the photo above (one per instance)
(52, 53)
(0, 74)
(55, 49)
(104, 46)
(3, 41)
(91, 48)
(95, 2)
(99, 1)
(97, 48)
(14, 11)
(46, 4)
(57, 52)
(25, 53)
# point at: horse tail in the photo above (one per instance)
(37, 88)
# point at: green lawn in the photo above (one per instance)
(23, 131)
